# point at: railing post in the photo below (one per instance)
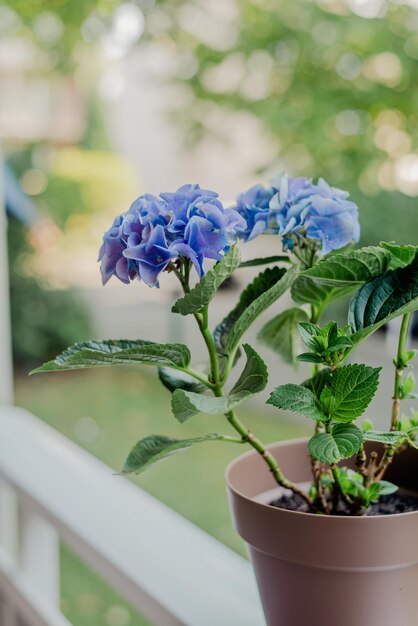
(39, 555)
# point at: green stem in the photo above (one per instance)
(202, 321)
(269, 459)
(216, 382)
(389, 452)
(399, 367)
(199, 377)
(243, 431)
(230, 439)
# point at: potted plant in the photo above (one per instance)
(332, 522)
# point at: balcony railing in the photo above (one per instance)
(168, 569)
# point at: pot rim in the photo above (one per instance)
(343, 519)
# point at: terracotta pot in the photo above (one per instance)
(317, 570)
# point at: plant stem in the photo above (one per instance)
(202, 321)
(389, 452)
(279, 477)
(216, 382)
(243, 431)
(199, 377)
(399, 367)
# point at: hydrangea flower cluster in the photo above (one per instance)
(156, 231)
(292, 207)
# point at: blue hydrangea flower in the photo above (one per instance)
(254, 206)
(298, 207)
(190, 222)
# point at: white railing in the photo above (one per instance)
(167, 568)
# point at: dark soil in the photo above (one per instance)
(387, 505)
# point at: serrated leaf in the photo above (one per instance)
(265, 261)
(179, 380)
(317, 382)
(281, 335)
(204, 291)
(297, 399)
(256, 308)
(353, 387)
(390, 295)
(392, 438)
(156, 448)
(344, 441)
(262, 283)
(118, 352)
(401, 254)
(186, 404)
(350, 269)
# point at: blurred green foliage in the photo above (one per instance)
(333, 83)
(336, 91)
(44, 321)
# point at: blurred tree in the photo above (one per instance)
(333, 81)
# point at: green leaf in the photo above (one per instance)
(386, 488)
(308, 333)
(204, 291)
(350, 269)
(366, 425)
(179, 380)
(353, 387)
(258, 306)
(401, 255)
(342, 442)
(309, 357)
(392, 438)
(280, 334)
(382, 299)
(306, 291)
(379, 489)
(317, 382)
(264, 261)
(156, 448)
(407, 386)
(254, 377)
(122, 352)
(186, 404)
(262, 283)
(297, 399)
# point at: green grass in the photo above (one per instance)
(106, 412)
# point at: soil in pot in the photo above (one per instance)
(387, 505)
